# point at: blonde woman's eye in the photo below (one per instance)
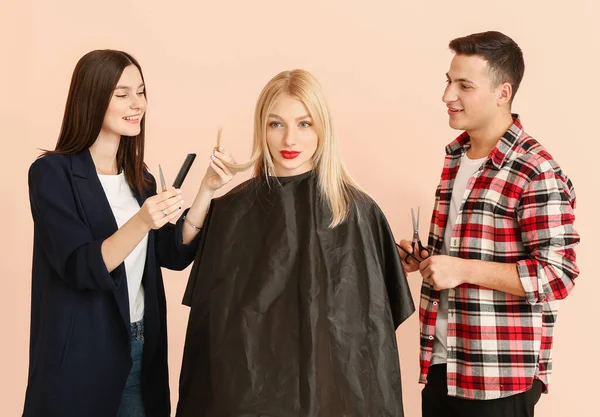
(305, 124)
(275, 124)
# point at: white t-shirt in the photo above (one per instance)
(124, 206)
(468, 167)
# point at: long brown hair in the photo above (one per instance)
(94, 80)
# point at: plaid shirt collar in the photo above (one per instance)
(501, 152)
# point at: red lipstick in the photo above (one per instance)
(290, 154)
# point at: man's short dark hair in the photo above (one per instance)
(503, 55)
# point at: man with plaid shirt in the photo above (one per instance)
(502, 244)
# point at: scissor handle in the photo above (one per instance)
(408, 255)
(418, 247)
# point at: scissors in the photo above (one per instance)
(163, 183)
(416, 240)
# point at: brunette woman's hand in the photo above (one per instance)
(218, 174)
(160, 209)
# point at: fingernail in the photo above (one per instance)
(182, 201)
(220, 148)
(180, 197)
(178, 191)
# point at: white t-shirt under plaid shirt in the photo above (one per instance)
(468, 167)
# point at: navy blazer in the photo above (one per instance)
(80, 342)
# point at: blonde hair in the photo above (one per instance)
(335, 184)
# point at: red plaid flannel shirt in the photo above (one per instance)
(519, 209)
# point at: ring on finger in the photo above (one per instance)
(164, 213)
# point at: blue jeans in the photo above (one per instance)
(131, 402)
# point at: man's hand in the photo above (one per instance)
(444, 272)
(409, 263)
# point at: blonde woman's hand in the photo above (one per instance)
(217, 174)
(161, 208)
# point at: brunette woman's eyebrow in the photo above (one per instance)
(126, 87)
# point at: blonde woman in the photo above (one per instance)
(297, 288)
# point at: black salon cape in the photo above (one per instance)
(290, 318)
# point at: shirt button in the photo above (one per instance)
(430, 337)
(435, 303)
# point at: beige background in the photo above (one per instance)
(382, 64)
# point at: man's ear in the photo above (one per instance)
(505, 93)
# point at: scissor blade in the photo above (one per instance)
(163, 183)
